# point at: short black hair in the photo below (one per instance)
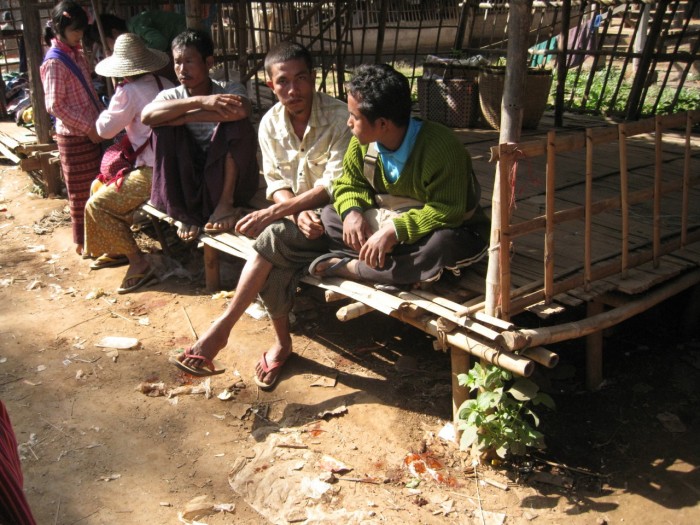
(65, 15)
(109, 23)
(200, 40)
(381, 92)
(286, 51)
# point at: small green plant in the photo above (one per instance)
(500, 419)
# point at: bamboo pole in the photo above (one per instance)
(658, 160)
(330, 296)
(459, 364)
(352, 311)
(506, 166)
(542, 356)
(193, 14)
(588, 223)
(634, 107)
(562, 62)
(459, 310)
(597, 207)
(550, 190)
(381, 31)
(564, 332)
(511, 123)
(594, 349)
(400, 309)
(624, 199)
(32, 41)
(457, 339)
(98, 21)
(448, 314)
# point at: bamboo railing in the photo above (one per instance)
(513, 301)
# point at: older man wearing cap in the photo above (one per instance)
(109, 211)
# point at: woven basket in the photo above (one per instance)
(454, 102)
(537, 86)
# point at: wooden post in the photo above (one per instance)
(562, 62)
(242, 38)
(339, 61)
(501, 280)
(107, 52)
(634, 108)
(658, 166)
(460, 364)
(51, 173)
(381, 30)
(32, 43)
(511, 123)
(594, 350)
(588, 218)
(464, 12)
(193, 14)
(550, 188)
(212, 277)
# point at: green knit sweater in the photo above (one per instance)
(438, 172)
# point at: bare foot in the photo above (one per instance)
(223, 219)
(188, 232)
(335, 267)
(208, 345)
(268, 369)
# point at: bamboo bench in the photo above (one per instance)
(453, 326)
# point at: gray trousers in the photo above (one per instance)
(421, 261)
(284, 246)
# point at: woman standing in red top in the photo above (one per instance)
(71, 98)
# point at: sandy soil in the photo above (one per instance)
(97, 450)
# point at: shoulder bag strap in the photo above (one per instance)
(370, 164)
(70, 63)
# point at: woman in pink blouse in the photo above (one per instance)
(72, 100)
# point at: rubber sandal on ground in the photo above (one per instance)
(267, 368)
(207, 368)
(141, 280)
(105, 261)
(332, 269)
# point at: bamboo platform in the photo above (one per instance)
(15, 141)
(603, 216)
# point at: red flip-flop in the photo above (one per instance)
(269, 367)
(207, 368)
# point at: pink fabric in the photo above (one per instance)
(65, 96)
(124, 111)
(13, 503)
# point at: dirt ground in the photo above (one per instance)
(96, 449)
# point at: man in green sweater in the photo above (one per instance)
(418, 169)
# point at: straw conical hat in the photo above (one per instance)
(131, 57)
